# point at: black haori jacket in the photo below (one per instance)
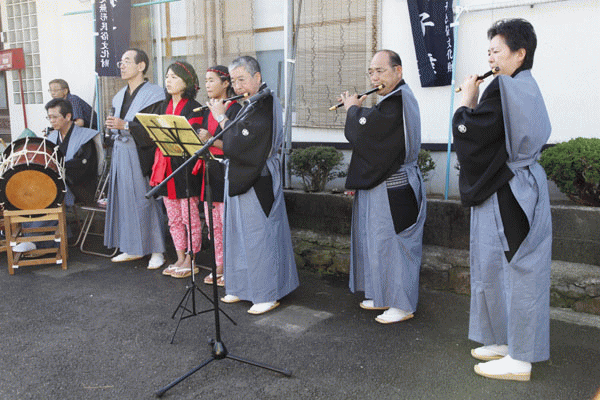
(247, 145)
(377, 138)
(479, 140)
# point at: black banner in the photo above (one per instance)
(434, 40)
(113, 27)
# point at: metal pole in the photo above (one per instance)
(22, 98)
(157, 22)
(452, 87)
(291, 31)
(287, 48)
(149, 3)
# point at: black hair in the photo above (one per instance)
(63, 84)
(393, 56)
(141, 56)
(64, 106)
(186, 72)
(518, 34)
(224, 76)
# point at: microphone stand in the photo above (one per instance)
(218, 350)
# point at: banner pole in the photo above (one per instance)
(454, 26)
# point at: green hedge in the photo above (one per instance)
(317, 165)
(575, 168)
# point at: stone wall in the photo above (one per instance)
(575, 229)
(321, 236)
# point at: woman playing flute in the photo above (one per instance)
(218, 88)
(498, 141)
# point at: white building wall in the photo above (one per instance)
(564, 66)
(66, 51)
(565, 63)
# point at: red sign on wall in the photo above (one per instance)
(12, 59)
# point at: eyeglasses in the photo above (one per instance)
(55, 90)
(53, 117)
(125, 63)
(378, 71)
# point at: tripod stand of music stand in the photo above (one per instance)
(175, 137)
(218, 349)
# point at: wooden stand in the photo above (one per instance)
(14, 231)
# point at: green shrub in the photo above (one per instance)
(316, 165)
(575, 168)
(425, 163)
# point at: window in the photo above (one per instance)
(336, 41)
(22, 32)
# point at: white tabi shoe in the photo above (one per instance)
(370, 305)
(156, 261)
(124, 257)
(490, 352)
(24, 247)
(505, 368)
(229, 298)
(393, 315)
(261, 308)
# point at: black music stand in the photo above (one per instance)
(218, 349)
(175, 137)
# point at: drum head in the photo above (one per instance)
(31, 187)
(32, 142)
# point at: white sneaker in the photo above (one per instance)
(393, 315)
(123, 257)
(490, 352)
(156, 261)
(261, 308)
(24, 247)
(229, 298)
(505, 368)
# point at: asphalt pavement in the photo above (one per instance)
(102, 331)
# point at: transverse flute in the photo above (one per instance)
(234, 98)
(482, 77)
(368, 92)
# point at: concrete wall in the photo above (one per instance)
(321, 237)
(575, 229)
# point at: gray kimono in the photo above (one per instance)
(133, 223)
(384, 263)
(510, 300)
(259, 259)
(79, 137)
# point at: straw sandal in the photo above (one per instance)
(184, 272)
(220, 280)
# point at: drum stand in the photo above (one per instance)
(218, 349)
(2, 231)
(58, 233)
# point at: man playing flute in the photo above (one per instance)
(389, 206)
(259, 258)
(133, 223)
(498, 140)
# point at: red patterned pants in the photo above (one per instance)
(177, 211)
(218, 215)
